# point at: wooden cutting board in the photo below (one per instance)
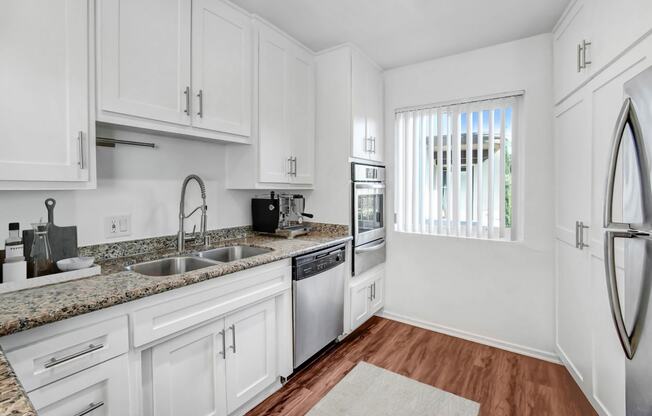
(63, 240)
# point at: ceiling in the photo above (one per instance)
(400, 32)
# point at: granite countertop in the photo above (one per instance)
(31, 308)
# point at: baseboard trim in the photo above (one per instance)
(492, 342)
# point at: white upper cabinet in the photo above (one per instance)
(366, 108)
(221, 67)
(144, 59)
(150, 77)
(47, 134)
(573, 49)
(283, 156)
(590, 35)
(273, 88)
(302, 116)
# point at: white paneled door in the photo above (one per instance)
(188, 373)
(221, 67)
(144, 59)
(573, 196)
(44, 116)
(273, 61)
(302, 115)
(251, 352)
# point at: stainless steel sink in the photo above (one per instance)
(170, 266)
(232, 253)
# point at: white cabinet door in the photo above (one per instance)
(377, 291)
(273, 144)
(188, 373)
(221, 67)
(360, 303)
(375, 115)
(44, 115)
(251, 352)
(144, 59)
(573, 196)
(100, 390)
(574, 28)
(619, 24)
(360, 72)
(301, 124)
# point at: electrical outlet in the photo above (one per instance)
(117, 226)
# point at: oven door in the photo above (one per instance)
(368, 212)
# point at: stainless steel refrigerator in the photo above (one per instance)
(631, 220)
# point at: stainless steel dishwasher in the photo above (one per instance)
(318, 300)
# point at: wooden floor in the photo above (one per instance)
(502, 382)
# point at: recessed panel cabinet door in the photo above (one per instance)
(44, 126)
(144, 59)
(302, 120)
(188, 374)
(221, 67)
(273, 100)
(251, 352)
(360, 72)
(360, 302)
(375, 115)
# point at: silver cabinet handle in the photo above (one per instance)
(579, 57)
(371, 293)
(232, 328)
(584, 47)
(186, 92)
(579, 235)
(294, 164)
(200, 95)
(222, 333)
(289, 171)
(92, 406)
(56, 361)
(80, 142)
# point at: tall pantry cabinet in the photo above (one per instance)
(598, 46)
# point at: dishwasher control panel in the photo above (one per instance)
(311, 264)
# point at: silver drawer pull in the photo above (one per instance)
(232, 327)
(90, 408)
(56, 361)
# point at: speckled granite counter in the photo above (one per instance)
(31, 308)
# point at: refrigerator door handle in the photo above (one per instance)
(628, 343)
(626, 117)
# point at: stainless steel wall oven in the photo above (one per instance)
(368, 216)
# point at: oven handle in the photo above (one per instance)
(365, 185)
(372, 248)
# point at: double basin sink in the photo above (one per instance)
(181, 264)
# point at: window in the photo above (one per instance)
(454, 169)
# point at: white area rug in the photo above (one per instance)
(369, 390)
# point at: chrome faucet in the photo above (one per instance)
(181, 236)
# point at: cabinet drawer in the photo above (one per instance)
(168, 313)
(55, 351)
(102, 390)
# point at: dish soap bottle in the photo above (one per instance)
(14, 268)
(40, 261)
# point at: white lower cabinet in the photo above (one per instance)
(188, 373)
(217, 368)
(367, 293)
(101, 390)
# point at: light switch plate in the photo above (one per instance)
(117, 226)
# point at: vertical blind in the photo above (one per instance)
(454, 169)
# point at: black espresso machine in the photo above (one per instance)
(280, 214)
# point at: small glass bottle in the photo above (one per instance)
(40, 260)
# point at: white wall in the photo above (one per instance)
(497, 292)
(142, 182)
